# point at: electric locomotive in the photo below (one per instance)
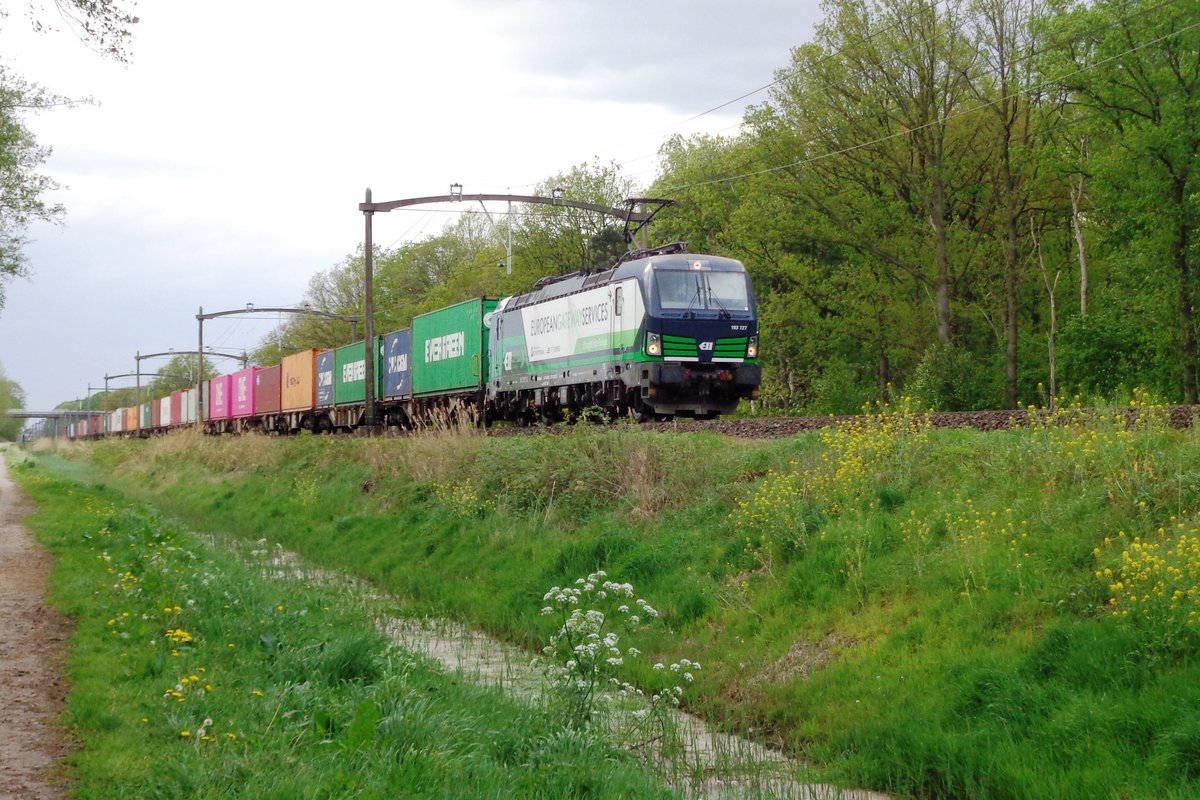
(663, 333)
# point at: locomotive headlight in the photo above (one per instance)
(653, 344)
(752, 347)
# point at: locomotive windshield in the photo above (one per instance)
(696, 290)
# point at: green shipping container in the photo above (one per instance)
(449, 348)
(349, 373)
(146, 416)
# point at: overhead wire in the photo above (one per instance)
(786, 76)
(951, 115)
(975, 17)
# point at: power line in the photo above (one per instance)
(909, 131)
(781, 79)
(968, 18)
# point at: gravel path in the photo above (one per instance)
(32, 641)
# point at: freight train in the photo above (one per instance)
(662, 333)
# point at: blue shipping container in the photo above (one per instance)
(397, 349)
(325, 363)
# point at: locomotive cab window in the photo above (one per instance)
(693, 290)
(727, 290)
(678, 290)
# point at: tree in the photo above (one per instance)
(178, 373)
(551, 240)
(102, 25)
(860, 192)
(22, 187)
(11, 397)
(1004, 33)
(1136, 70)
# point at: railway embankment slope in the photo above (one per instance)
(930, 613)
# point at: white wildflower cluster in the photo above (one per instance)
(684, 668)
(585, 650)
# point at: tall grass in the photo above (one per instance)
(931, 613)
(192, 676)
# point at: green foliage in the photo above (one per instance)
(22, 188)
(12, 397)
(101, 24)
(841, 389)
(1113, 349)
(178, 373)
(948, 378)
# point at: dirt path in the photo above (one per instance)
(32, 640)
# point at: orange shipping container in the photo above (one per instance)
(298, 385)
(131, 419)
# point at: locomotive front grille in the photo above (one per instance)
(680, 347)
(730, 348)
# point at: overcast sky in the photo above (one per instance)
(225, 163)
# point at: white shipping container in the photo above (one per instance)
(189, 406)
(164, 411)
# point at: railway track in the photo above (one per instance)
(1181, 416)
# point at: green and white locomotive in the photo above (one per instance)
(663, 333)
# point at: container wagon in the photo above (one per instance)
(449, 359)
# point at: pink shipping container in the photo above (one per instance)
(176, 400)
(155, 414)
(243, 389)
(219, 397)
(266, 392)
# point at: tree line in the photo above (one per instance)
(978, 203)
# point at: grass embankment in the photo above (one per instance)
(191, 676)
(931, 613)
